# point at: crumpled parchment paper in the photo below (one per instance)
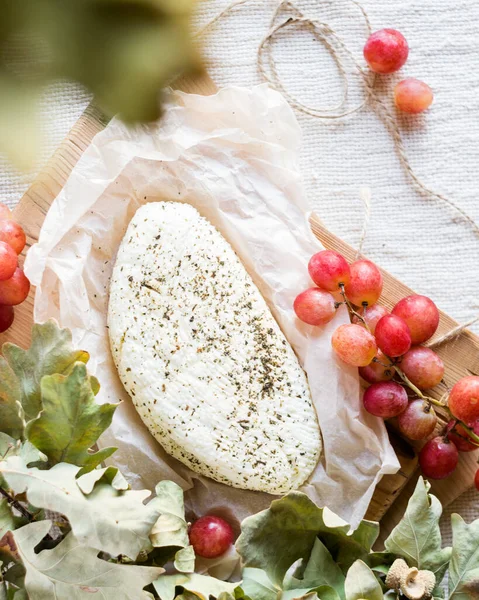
(234, 157)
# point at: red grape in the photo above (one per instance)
(14, 290)
(6, 317)
(366, 283)
(438, 458)
(354, 345)
(423, 367)
(5, 212)
(418, 421)
(458, 435)
(385, 399)
(464, 399)
(329, 270)
(393, 336)
(372, 314)
(386, 51)
(13, 234)
(476, 480)
(378, 370)
(413, 96)
(315, 306)
(211, 536)
(8, 261)
(421, 315)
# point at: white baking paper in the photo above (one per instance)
(233, 156)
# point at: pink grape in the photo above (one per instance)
(377, 371)
(329, 270)
(211, 536)
(354, 345)
(464, 399)
(314, 307)
(439, 458)
(6, 317)
(386, 399)
(372, 314)
(421, 315)
(8, 261)
(476, 480)
(14, 290)
(413, 96)
(458, 435)
(393, 336)
(366, 283)
(386, 51)
(423, 367)
(12, 234)
(418, 421)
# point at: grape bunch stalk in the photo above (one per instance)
(386, 348)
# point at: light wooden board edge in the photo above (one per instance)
(35, 203)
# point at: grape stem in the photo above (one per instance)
(470, 433)
(416, 390)
(351, 310)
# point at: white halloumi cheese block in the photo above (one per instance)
(202, 357)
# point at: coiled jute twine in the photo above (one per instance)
(287, 14)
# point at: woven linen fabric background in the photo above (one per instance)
(419, 240)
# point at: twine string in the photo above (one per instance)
(337, 48)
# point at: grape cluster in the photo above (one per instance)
(386, 51)
(14, 286)
(386, 347)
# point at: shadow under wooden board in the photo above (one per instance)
(461, 356)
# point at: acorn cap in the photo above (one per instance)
(398, 569)
(417, 585)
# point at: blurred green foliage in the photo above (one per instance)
(124, 51)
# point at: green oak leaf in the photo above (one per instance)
(71, 570)
(11, 412)
(50, 352)
(71, 421)
(276, 538)
(464, 565)
(7, 520)
(171, 528)
(203, 586)
(114, 521)
(110, 475)
(417, 537)
(361, 583)
(256, 584)
(321, 570)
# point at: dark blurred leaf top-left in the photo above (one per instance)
(123, 51)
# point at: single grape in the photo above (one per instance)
(354, 345)
(386, 399)
(211, 536)
(6, 317)
(371, 314)
(464, 399)
(366, 283)
(423, 367)
(421, 315)
(418, 421)
(315, 307)
(393, 336)
(386, 51)
(14, 290)
(5, 212)
(8, 261)
(476, 480)
(12, 234)
(457, 434)
(439, 458)
(412, 96)
(378, 369)
(329, 270)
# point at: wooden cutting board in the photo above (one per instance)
(461, 356)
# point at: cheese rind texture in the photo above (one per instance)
(202, 357)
